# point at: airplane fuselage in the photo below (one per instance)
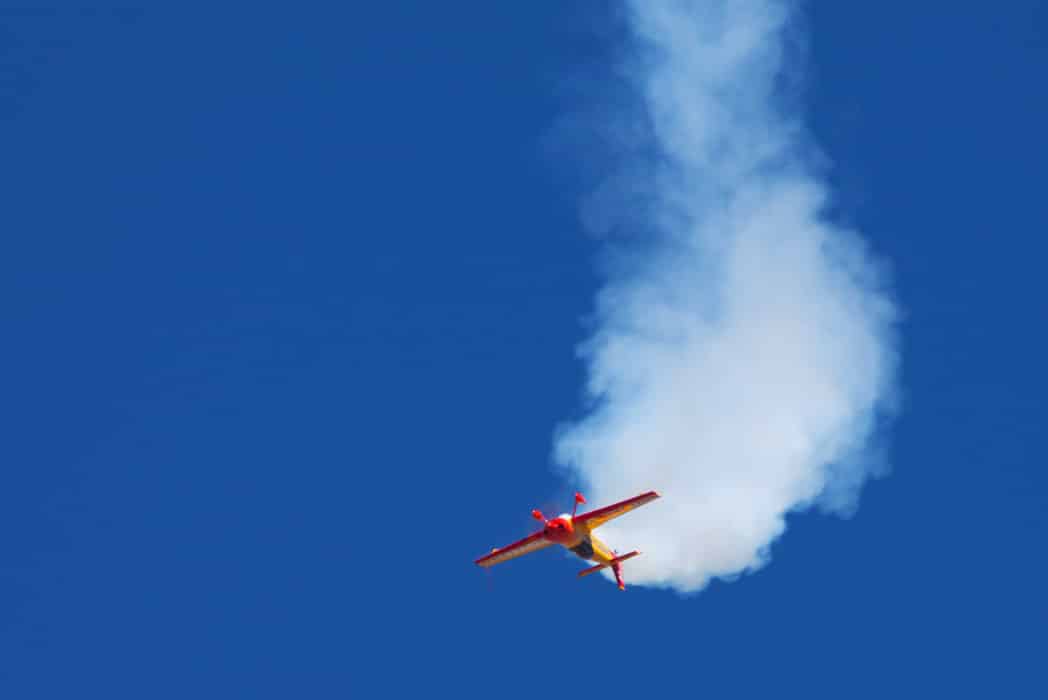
(578, 539)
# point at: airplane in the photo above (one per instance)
(575, 533)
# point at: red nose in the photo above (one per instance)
(558, 529)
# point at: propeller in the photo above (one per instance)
(537, 514)
(559, 529)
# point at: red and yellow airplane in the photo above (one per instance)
(575, 532)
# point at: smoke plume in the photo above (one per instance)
(743, 351)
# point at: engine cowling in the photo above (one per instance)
(560, 530)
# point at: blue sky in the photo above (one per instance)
(291, 304)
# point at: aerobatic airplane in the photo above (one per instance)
(575, 532)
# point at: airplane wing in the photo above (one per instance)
(596, 518)
(531, 543)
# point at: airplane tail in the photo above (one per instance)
(615, 565)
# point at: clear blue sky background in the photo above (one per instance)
(289, 308)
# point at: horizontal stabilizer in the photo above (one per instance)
(616, 560)
(587, 572)
(624, 557)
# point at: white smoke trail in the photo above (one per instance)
(741, 361)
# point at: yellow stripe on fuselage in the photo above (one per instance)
(601, 552)
(589, 548)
